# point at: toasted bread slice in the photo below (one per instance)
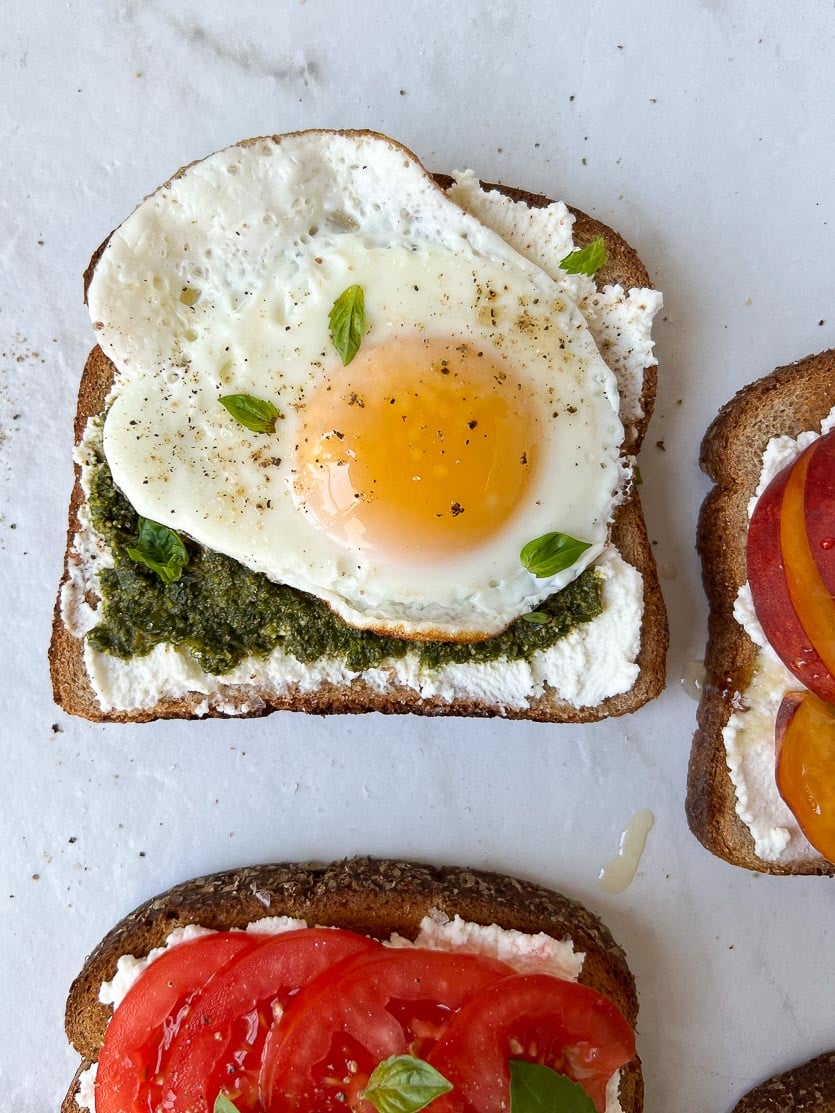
(71, 685)
(811, 1086)
(788, 401)
(369, 896)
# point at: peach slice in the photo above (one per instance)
(805, 766)
(810, 596)
(794, 608)
(819, 508)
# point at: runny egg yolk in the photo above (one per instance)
(418, 448)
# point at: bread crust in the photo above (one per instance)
(71, 686)
(372, 896)
(803, 1089)
(790, 400)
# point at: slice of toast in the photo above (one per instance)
(72, 688)
(788, 401)
(369, 896)
(803, 1089)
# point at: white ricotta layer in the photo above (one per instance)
(527, 954)
(594, 662)
(619, 320)
(749, 734)
(85, 1095)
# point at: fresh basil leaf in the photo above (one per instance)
(223, 1104)
(552, 553)
(586, 260)
(346, 323)
(160, 549)
(538, 1089)
(536, 618)
(636, 471)
(255, 413)
(404, 1084)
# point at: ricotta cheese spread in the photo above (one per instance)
(749, 734)
(527, 954)
(598, 659)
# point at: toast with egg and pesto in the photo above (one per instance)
(808, 1088)
(170, 967)
(745, 798)
(359, 438)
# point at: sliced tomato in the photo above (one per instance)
(147, 1019)
(318, 1059)
(563, 1025)
(219, 1045)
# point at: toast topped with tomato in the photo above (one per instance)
(761, 792)
(361, 985)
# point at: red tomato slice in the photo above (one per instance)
(318, 1059)
(147, 1019)
(568, 1027)
(218, 1047)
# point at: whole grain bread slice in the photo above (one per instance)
(803, 1089)
(71, 685)
(788, 401)
(375, 897)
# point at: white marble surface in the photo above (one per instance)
(701, 129)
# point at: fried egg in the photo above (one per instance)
(476, 416)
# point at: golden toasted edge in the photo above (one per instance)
(375, 897)
(803, 1089)
(71, 687)
(789, 400)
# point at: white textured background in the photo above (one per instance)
(704, 132)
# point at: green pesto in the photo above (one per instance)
(222, 612)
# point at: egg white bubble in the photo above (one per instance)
(221, 283)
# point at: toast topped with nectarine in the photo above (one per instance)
(760, 793)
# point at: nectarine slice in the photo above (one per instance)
(819, 508)
(805, 766)
(782, 611)
(810, 596)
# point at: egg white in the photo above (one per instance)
(222, 281)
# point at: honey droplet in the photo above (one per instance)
(619, 872)
(693, 678)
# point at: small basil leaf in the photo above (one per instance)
(538, 1089)
(224, 1105)
(255, 413)
(586, 260)
(346, 323)
(636, 471)
(552, 553)
(160, 549)
(404, 1084)
(536, 618)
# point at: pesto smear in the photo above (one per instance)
(221, 611)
